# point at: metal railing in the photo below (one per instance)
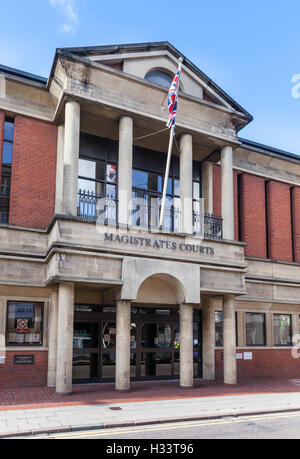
(96, 207)
(147, 216)
(93, 206)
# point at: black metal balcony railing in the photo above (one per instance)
(88, 207)
(145, 215)
(212, 225)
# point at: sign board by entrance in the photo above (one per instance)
(24, 360)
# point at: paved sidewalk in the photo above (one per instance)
(145, 404)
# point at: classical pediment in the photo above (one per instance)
(145, 60)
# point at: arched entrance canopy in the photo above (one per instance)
(163, 281)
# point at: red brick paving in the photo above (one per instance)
(32, 398)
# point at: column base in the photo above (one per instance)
(123, 391)
(187, 387)
(60, 394)
(231, 385)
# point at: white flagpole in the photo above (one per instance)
(172, 132)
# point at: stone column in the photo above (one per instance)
(295, 324)
(269, 329)
(227, 193)
(52, 337)
(207, 186)
(186, 346)
(3, 314)
(65, 338)
(60, 171)
(229, 339)
(71, 157)
(209, 339)
(123, 346)
(125, 168)
(186, 182)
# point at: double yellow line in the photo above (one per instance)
(172, 426)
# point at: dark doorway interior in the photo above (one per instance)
(155, 344)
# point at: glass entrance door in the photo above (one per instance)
(154, 345)
(86, 351)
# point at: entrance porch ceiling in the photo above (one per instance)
(104, 122)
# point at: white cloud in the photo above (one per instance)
(68, 9)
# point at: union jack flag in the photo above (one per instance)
(173, 99)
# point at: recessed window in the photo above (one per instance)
(160, 78)
(7, 158)
(255, 329)
(219, 328)
(282, 324)
(24, 324)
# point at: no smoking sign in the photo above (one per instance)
(22, 325)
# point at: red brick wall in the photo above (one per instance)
(279, 221)
(296, 221)
(236, 205)
(2, 120)
(32, 201)
(217, 208)
(266, 363)
(24, 375)
(253, 215)
(217, 205)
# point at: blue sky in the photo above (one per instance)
(251, 49)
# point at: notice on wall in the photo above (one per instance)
(248, 356)
(24, 360)
(20, 338)
(22, 325)
(239, 356)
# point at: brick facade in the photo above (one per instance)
(24, 375)
(32, 200)
(236, 205)
(266, 364)
(2, 120)
(296, 222)
(253, 215)
(217, 207)
(279, 221)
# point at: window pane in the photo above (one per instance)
(282, 330)
(177, 187)
(111, 191)
(154, 182)
(7, 153)
(196, 187)
(9, 131)
(87, 186)
(5, 185)
(160, 78)
(139, 179)
(255, 329)
(169, 187)
(87, 168)
(157, 336)
(100, 170)
(111, 173)
(219, 328)
(24, 324)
